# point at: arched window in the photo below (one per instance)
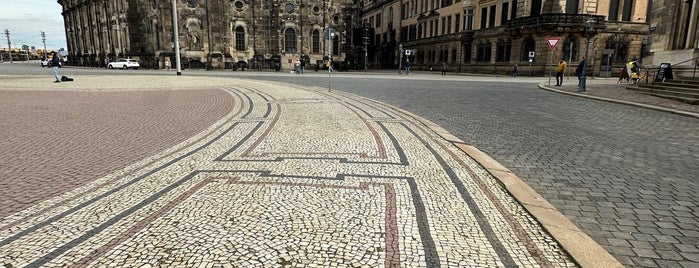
(571, 46)
(528, 45)
(315, 46)
(240, 38)
(289, 40)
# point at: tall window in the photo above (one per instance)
(315, 46)
(571, 47)
(449, 25)
(484, 17)
(336, 45)
(289, 40)
(528, 45)
(453, 54)
(491, 16)
(240, 38)
(444, 25)
(483, 51)
(505, 13)
(457, 19)
(503, 50)
(536, 7)
(378, 20)
(572, 6)
(468, 20)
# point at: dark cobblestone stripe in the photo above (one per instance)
(468, 199)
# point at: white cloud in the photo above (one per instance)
(26, 19)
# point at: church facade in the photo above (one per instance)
(212, 33)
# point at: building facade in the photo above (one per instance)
(212, 33)
(674, 32)
(494, 35)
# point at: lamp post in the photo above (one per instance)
(400, 57)
(176, 37)
(588, 32)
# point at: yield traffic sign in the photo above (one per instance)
(553, 42)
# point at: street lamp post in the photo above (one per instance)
(43, 39)
(176, 37)
(400, 57)
(588, 31)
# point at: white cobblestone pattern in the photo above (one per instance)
(293, 177)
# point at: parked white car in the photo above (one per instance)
(124, 64)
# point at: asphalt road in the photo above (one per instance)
(625, 175)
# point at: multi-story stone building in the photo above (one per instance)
(675, 32)
(494, 35)
(215, 33)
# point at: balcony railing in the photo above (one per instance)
(557, 19)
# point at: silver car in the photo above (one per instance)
(124, 64)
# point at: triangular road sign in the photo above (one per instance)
(553, 42)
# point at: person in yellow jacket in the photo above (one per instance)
(559, 72)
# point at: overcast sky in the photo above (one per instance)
(26, 19)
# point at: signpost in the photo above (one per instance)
(553, 42)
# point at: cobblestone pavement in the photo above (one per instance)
(626, 175)
(273, 175)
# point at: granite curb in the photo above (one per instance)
(582, 248)
(630, 103)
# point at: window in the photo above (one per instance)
(336, 45)
(514, 10)
(378, 20)
(240, 38)
(453, 54)
(484, 17)
(572, 6)
(315, 46)
(527, 45)
(289, 40)
(446, 3)
(457, 18)
(536, 7)
(483, 51)
(505, 13)
(444, 25)
(621, 50)
(449, 25)
(503, 50)
(491, 17)
(613, 10)
(390, 14)
(468, 20)
(571, 46)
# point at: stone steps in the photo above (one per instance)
(677, 89)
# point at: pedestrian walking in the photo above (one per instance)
(444, 68)
(302, 65)
(55, 63)
(407, 67)
(514, 71)
(580, 71)
(562, 65)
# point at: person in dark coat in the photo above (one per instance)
(55, 63)
(580, 71)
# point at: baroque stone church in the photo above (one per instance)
(212, 33)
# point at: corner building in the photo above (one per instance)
(212, 33)
(492, 35)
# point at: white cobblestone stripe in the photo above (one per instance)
(293, 177)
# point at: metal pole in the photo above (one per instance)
(9, 44)
(43, 39)
(176, 37)
(400, 57)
